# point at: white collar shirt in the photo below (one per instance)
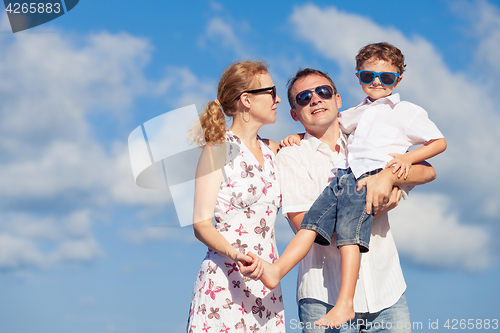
(303, 172)
(386, 126)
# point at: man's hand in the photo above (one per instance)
(393, 202)
(378, 190)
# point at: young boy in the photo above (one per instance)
(380, 129)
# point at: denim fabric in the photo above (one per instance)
(311, 310)
(395, 319)
(341, 209)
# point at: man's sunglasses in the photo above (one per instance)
(256, 91)
(304, 97)
(387, 78)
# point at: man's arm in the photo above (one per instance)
(422, 173)
(379, 186)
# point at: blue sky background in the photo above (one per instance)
(83, 249)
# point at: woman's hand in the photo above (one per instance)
(250, 265)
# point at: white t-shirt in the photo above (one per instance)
(303, 172)
(380, 128)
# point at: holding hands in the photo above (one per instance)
(260, 269)
(250, 265)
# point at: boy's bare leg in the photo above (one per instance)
(293, 254)
(349, 269)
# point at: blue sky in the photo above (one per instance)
(83, 249)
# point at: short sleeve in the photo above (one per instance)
(420, 128)
(349, 119)
(297, 186)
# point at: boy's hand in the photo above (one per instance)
(291, 140)
(400, 162)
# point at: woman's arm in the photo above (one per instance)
(207, 185)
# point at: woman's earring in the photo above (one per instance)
(246, 121)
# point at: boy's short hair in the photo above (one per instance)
(383, 51)
(303, 73)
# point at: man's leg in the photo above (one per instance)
(311, 310)
(395, 319)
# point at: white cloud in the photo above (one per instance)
(50, 83)
(52, 168)
(49, 154)
(120, 182)
(49, 87)
(461, 107)
(216, 6)
(76, 250)
(27, 240)
(185, 88)
(428, 230)
(220, 35)
(16, 252)
(153, 234)
(337, 35)
(484, 24)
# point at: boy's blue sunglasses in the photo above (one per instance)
(387, 78)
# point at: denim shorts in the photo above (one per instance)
(341, 209)
(394, 319)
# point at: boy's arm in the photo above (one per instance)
(291, 140)
(379, 186)
(403, 162)
(295, 218)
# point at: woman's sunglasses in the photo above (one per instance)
(304, 97)
(387, 78)
(256, 91)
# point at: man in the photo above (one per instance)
(304, 171)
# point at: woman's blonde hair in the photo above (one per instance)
(236, 79)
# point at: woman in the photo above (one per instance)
(245, 196)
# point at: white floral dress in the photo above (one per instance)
(245, 213)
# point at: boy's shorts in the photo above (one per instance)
(341, 209)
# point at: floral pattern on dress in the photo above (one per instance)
(245, 214)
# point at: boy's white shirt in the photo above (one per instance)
(385, 126)
(303, 172)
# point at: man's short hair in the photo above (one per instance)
(382, 51)
(303, 73)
